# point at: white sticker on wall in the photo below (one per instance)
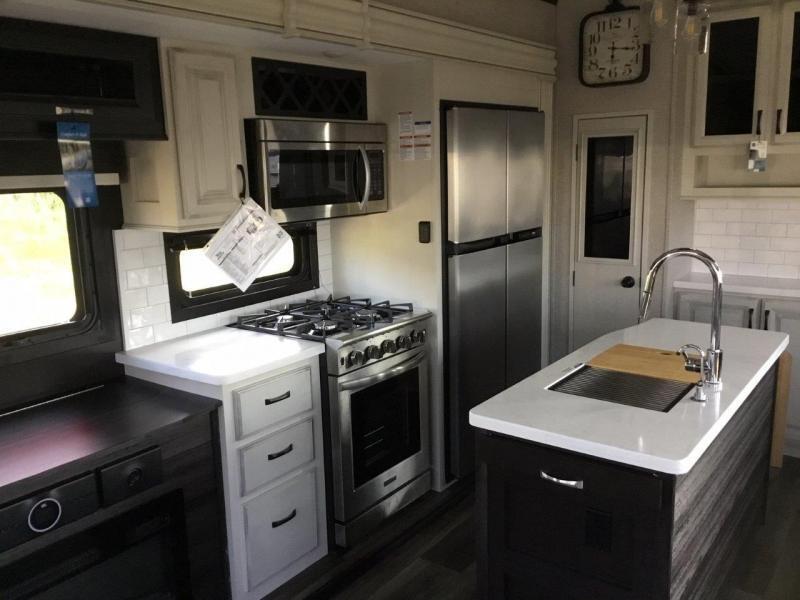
(405, 135)
(423, 140)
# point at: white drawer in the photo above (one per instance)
(276, 455)
(268, 402)
(280, 526)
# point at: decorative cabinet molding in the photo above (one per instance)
(207, 133)
(366, 24)
(192, 181)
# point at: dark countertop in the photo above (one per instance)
(92, 424)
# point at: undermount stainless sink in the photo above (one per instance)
(640, 391)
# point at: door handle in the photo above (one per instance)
(243, 189)
(778, 124)
(367, 178)
(750, 318)
(766, 320)
(627, 282)
(280, 453)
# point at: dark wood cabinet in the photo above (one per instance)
(557, 525)
(111, 80)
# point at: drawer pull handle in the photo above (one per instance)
(578, 484)
(275, 455)
(284, 396)
(285, 520)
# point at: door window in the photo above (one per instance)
(385, 425)
(609, 186)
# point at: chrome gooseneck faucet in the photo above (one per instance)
(710, 362)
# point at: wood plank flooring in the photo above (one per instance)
(437, 563)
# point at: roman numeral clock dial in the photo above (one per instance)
(612, 51)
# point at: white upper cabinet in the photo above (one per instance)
(207, 133)
(733, 99)
(194, 180)
(787, 127)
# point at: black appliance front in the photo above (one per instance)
(386, 425)
(140, 554)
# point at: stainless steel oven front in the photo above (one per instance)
(308, 170)
(380, 440)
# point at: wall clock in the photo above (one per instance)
(611, 47)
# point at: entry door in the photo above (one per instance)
(608, 202)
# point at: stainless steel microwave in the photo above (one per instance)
(307, 170)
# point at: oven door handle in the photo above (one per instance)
(377, 378)
(362, 205)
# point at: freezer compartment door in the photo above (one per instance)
(524, 310)
(476, 173)
(526, 170)
(477, 352)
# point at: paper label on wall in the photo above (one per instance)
(405, 132)
(423, 140)
(248, 240)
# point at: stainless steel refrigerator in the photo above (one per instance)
(495, 203)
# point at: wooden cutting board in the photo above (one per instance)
(652, 362)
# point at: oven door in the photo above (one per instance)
(380, 431)
(302, 181)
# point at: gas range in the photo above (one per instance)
(356, 331)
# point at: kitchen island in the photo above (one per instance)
(584, 498)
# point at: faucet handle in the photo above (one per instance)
(691, 363)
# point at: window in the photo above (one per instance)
(198, 288)
(38, 264)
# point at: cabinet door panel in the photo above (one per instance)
(784, 315)
(733, 78)
(737, 311)
(207, 132)
(787, 128)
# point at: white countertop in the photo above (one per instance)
(221, 356)
(670, 442)
(743, 284)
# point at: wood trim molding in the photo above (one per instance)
(364, 23)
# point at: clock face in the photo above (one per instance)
(611, 48)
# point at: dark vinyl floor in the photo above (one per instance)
(438, 563)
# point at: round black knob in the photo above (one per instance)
(388, 347)
(134, 477)
(628, 282)
(403, 342)
(373, 352)
(355, 358)
(422, 335)
(44, 515)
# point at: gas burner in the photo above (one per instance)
(285, 318)
(324, 326)
(367, 313)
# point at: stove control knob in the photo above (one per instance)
(388, 347)
(403, 342)
(44, 515)
(355, 358)
(373, 352)
(422, 335)
(418, 337)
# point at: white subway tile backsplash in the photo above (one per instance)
(138, 278)
(752, 237)
(144, 295)
(786, 271)
(149, 315)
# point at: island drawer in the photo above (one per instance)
(268, 402)
(276, 455)
(567, 475)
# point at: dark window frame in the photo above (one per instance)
(86, 313)
(303, 277)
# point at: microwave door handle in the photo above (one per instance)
(367, 179)
(364, 382)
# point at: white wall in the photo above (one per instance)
(144, 298)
